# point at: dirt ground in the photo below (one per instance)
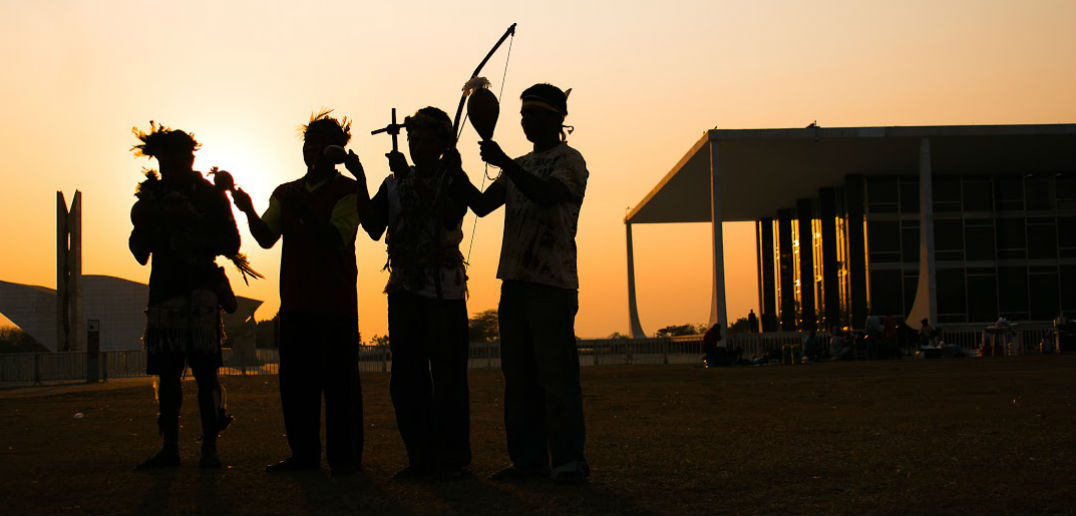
(958, 436)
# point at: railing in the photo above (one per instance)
(37, 368)
(1020, 339)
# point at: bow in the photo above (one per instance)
(463, 98)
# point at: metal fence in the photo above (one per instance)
(1018, 339)
(37, 368)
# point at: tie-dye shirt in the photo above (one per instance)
(539, 241)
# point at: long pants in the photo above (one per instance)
(170, 396)
(543, 401)
(429, 342)
(319, 355)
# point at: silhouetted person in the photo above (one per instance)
(839, 345)
(715, 355)
(926, 333)
(542, 192)
(183, 223)
(427, 292)
(752, 322)
(318, 217)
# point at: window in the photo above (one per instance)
(1044, 293)
(979, 235)
(1011, 241)
(909, 241)
(886, 297)
(947, 194)
(909, 197)
(884, 240)
(882, 195)
(1066, 236)
(1068, 288)
(982, 295)
(1066, 193)
(1009, 193)
(950, 283)
(978, 196)
(1041, 238)
(948, 240)
(1037, 194)
(1012, 285)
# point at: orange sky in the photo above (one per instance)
(647, 81)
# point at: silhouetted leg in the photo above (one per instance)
(209, 399)
(300, 384)
(451, 396)
(410, 385)
(170, 399)
(524, 402)
(551, 317)
(209, 407)
(343, 397)
(168, 367)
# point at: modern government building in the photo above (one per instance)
(956, 224)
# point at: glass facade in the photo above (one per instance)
(1005, 246)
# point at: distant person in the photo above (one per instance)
(709, 344)
(839, 347)
(812, 349)
(318, 217)
(542, 192)
(715, 355)
(427, 292)
(926, 333)
(183, 223)
(752, 322)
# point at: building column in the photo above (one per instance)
(831, 302)
(785, 278)
(804, 214)
(70, 328)
(767, 288)
(926, 292)
(718, 312)
(633, 308)
(858, 273)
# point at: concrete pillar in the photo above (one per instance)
(70, 328)
(718, 312)
(831, 295)
(857, 251)
(62, 254)
(804, 212)
(785, 279)
(633, 308)
(767, 287)
(926, 293)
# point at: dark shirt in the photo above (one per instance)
(317, 263)
(183, 246)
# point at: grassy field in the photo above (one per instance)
(961, 436)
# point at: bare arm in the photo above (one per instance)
(145, 215)
(261, 231)
(481, 203)
(376, 217)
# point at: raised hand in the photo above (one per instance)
(354, 166)
(242, 201)
(492, 154)
(398, 163)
